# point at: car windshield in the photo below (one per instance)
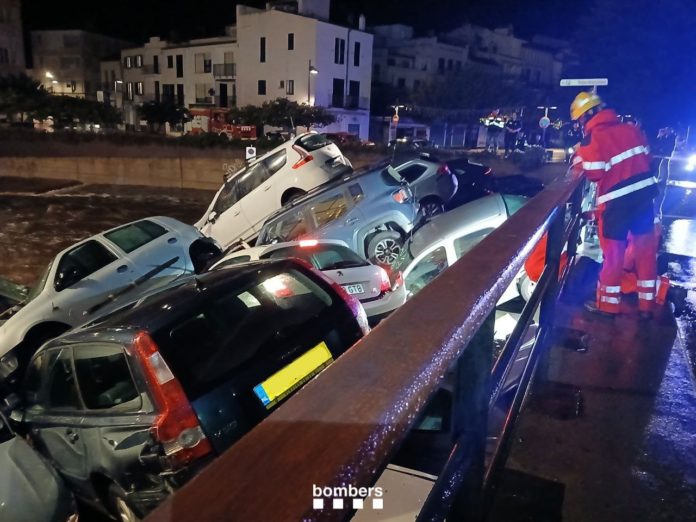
(41, 284)
(322, 256)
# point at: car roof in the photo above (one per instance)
(444, 225)
(257, 251)
(160, 309)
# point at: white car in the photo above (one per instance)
(83, 280)
(370, 283)
(287, 172)
(447, 237)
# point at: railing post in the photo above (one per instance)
(470, 418)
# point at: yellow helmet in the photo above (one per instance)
(582, 103)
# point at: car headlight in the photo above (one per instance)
(571, 150)
(691, 163)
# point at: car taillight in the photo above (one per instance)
(385, 285)
(176, 426)
(401, 196)
(305, 157)
(306, 243)
(443, 169)
(355, 307)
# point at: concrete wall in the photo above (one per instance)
(193, 173)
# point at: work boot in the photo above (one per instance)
(677, 295)
(591, 306)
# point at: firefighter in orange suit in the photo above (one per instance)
(616, 156)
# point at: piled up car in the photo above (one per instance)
(145, 351)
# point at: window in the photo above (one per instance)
(203, 93)
(251, 179)
(180, 100)
(282, 84)
(231, 333)
(139, 60)
(180, 66)
(262, 88)
(290, 227)
(81, 262)
(61, 389)
(290, 89)
(356, 192)
(412, 172)
(129, 91)
(465, 243)
(276, 162)
(322, 257)
(513, 203)
(291, 41)
(328, 209)
(450, 65)
(139, 89)
(426, 270)
(132, 237)
(459, 65)
(391, 61)
(4, 55)
(70, 40)
(155, 64)
(340, 51)
(128, 62)
(203, 63)
(441, 64)
(170, 62)
(416, 84)
(312, 142)
(401, 82)
(356, 55)
(227, 197)
(156, 89)
(104, 378)
(262, 49)
(168, 93)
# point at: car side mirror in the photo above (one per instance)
(212, 217)
(67, 277)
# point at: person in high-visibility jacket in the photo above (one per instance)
(616, 156)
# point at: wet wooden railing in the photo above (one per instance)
(342, 428)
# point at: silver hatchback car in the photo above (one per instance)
(372, 212)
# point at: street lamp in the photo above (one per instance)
(311, 70)
(49, 75)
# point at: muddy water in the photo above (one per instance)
(34, 227)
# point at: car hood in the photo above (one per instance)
(30, 490)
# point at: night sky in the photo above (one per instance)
(136, 20)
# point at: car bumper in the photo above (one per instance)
(390, 301)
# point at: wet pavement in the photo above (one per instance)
(610, 434)
(40, 217)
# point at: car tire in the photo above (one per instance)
(385, 247)
(291, 196)
(431, 207)
(35, 339)
(119, 507)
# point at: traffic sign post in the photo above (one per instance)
(250, 153)
(585, 82)
(544, 122)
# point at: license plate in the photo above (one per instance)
(354, 289)
(288, 379)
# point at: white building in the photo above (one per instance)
(11, 40)
(288, 50)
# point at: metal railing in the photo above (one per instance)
(224, 70)
(343, 427)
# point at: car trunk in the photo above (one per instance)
(363, 282)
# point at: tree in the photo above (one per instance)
(281, 112)
(646, 51)
(156, 114)
(20, 94)
(66, 110)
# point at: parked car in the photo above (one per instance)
(371, 284)
(284, 174)
(371, 211)
(30, 489)
(475, 180)
(444, 239)
(408, 143)
(130, 407)
(430, 179)
(83, 279)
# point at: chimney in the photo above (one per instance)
(361, 22)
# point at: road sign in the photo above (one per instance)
(250, 153)
(544, 122)
(585, 82)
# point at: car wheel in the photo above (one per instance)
(291, 196)
(119, 505)
(385, 247)
(203, 254)
(432, 207)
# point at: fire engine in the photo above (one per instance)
(214, 120)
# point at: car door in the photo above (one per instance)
(256, 189)
(86, 275)
(156, 253)
(226, 222)
(54, 413)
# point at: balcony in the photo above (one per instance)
(150, 69)
(224, 70)
(340, 100)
